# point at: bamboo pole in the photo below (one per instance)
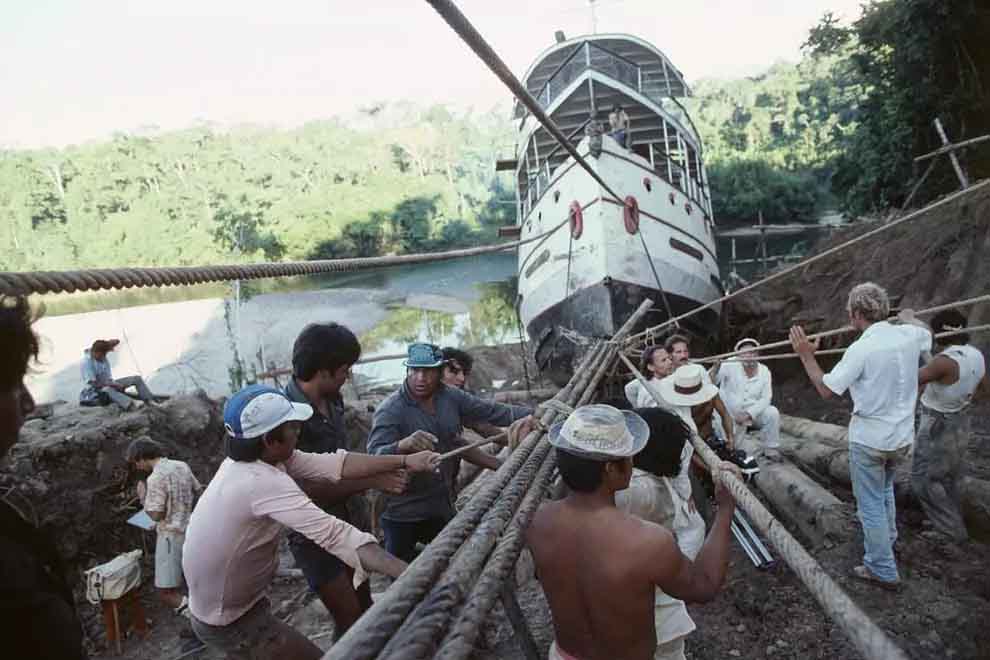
(849, 328)
(869, 639)
(840, 351)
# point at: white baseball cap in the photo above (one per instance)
(257, 409)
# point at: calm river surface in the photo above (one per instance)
(208, 337)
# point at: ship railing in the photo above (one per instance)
(596, 58)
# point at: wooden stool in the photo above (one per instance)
(131, 604)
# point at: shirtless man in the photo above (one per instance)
(600, 567)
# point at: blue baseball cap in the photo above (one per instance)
(424, 356)
(257, 409)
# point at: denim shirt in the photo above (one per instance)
(97, 371)
(428, 495)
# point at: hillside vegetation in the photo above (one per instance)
(839, 129)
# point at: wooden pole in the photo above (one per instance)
(960, 172)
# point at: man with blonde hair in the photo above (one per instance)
(880, 370)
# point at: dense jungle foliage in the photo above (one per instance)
(839, 130)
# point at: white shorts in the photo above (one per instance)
(168, 561)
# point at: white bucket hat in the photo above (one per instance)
(601, 433)
(687, 387)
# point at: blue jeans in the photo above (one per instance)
(872, 472)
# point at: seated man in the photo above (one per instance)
(427, 414)
(747, 390)
(231, 549)
(653, 497)
(101, 389)
(600, 567)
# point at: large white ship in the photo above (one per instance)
(586, 278)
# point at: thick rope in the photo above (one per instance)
(462, 26)
(810, 260)
(869, 639)
(848, 328)
(402, 610)
(70, 281)
(368, 636)
(459, 642)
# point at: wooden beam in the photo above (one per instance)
(953, 147)
(960, 173)
(506, 164)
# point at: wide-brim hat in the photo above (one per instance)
(423, 356)
(687, 387)
(258, 409)
(601, 433)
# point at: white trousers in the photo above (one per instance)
(768, 424)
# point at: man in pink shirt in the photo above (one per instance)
(231, 549)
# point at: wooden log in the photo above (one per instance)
(820, 515)
(823, 449)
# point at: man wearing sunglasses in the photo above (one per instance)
(427, 415)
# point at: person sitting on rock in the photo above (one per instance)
(653, 497)
(747, 389)
(231, 550)
(168, 497)
(599, 566)
(101, 389)
(427, 414)
(322, 357)
(950, 381)
(37, 611)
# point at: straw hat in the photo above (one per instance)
(601, 433)
(687, 387)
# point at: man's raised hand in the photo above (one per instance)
(418, 441)
(800, 342)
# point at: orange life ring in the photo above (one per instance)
(577, 220)
(630, 214)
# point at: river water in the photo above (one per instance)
(211, 337)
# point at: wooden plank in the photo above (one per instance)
(506, 164)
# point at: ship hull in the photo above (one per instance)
(575, 287)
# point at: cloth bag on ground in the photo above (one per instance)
(115, 578)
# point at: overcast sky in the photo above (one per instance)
(76, 70)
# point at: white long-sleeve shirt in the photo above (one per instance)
(742, 393)
(231, 549)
